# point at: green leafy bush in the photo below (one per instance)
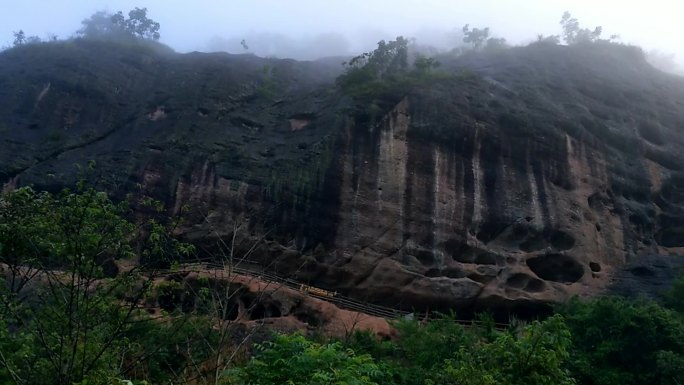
(623, 341)
(535, 355)
(293, 359)
(379, 79)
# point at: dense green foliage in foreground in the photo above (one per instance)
(606, 341)
(64, 319)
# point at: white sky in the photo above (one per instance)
(190, 25)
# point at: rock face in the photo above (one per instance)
(254, 303)
(532, 175)
(647, 275)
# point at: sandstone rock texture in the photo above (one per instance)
(533, 174)
(254, 303)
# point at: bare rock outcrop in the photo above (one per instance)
(532, 175)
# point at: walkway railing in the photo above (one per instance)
(315, 292)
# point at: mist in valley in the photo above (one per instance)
(308, 30)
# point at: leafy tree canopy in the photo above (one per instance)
(574, 34)
(625, 341)
(378, 79)
(293, 359)
(137, 24)
(61, 321)
(20, 38)
(389, 59)
(105, 25)
(479, 38)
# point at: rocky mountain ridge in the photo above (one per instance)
(530, 175)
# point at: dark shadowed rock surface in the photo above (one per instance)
(647, 275)
(532, 175)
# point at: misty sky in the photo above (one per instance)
(350, 26)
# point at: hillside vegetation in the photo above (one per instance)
(67, 319)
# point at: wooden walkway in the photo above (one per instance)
(335, 298)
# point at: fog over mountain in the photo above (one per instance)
(307, 29)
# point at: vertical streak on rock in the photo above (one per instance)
(458, 204)
(355, 210)
(392, 169)
(570, 150)
(429, 198)
(419, 202)
(655, 176)
(42, 95)
(449, 201)
(549, 207)
(384, 158)
(467, 185)
(407, 204)
(372, 189)
(588, 168)
(438, 216)
(477, 178)
(345, 234)
(490, 156)
(540, 189)
(534, 194)
(540, 184)
(199, 187)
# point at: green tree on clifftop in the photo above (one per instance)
(105, 25)
(137, 24)
(573, 34)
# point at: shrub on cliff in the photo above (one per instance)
(623, 341)
(293, 359)
(574, 34)
(442, 351)
(379, 79)
(371, 73)
(534, 355)
(478, 39)
(20, 38)
(674, 298)
(103, 25)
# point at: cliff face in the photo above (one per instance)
(535, 174)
